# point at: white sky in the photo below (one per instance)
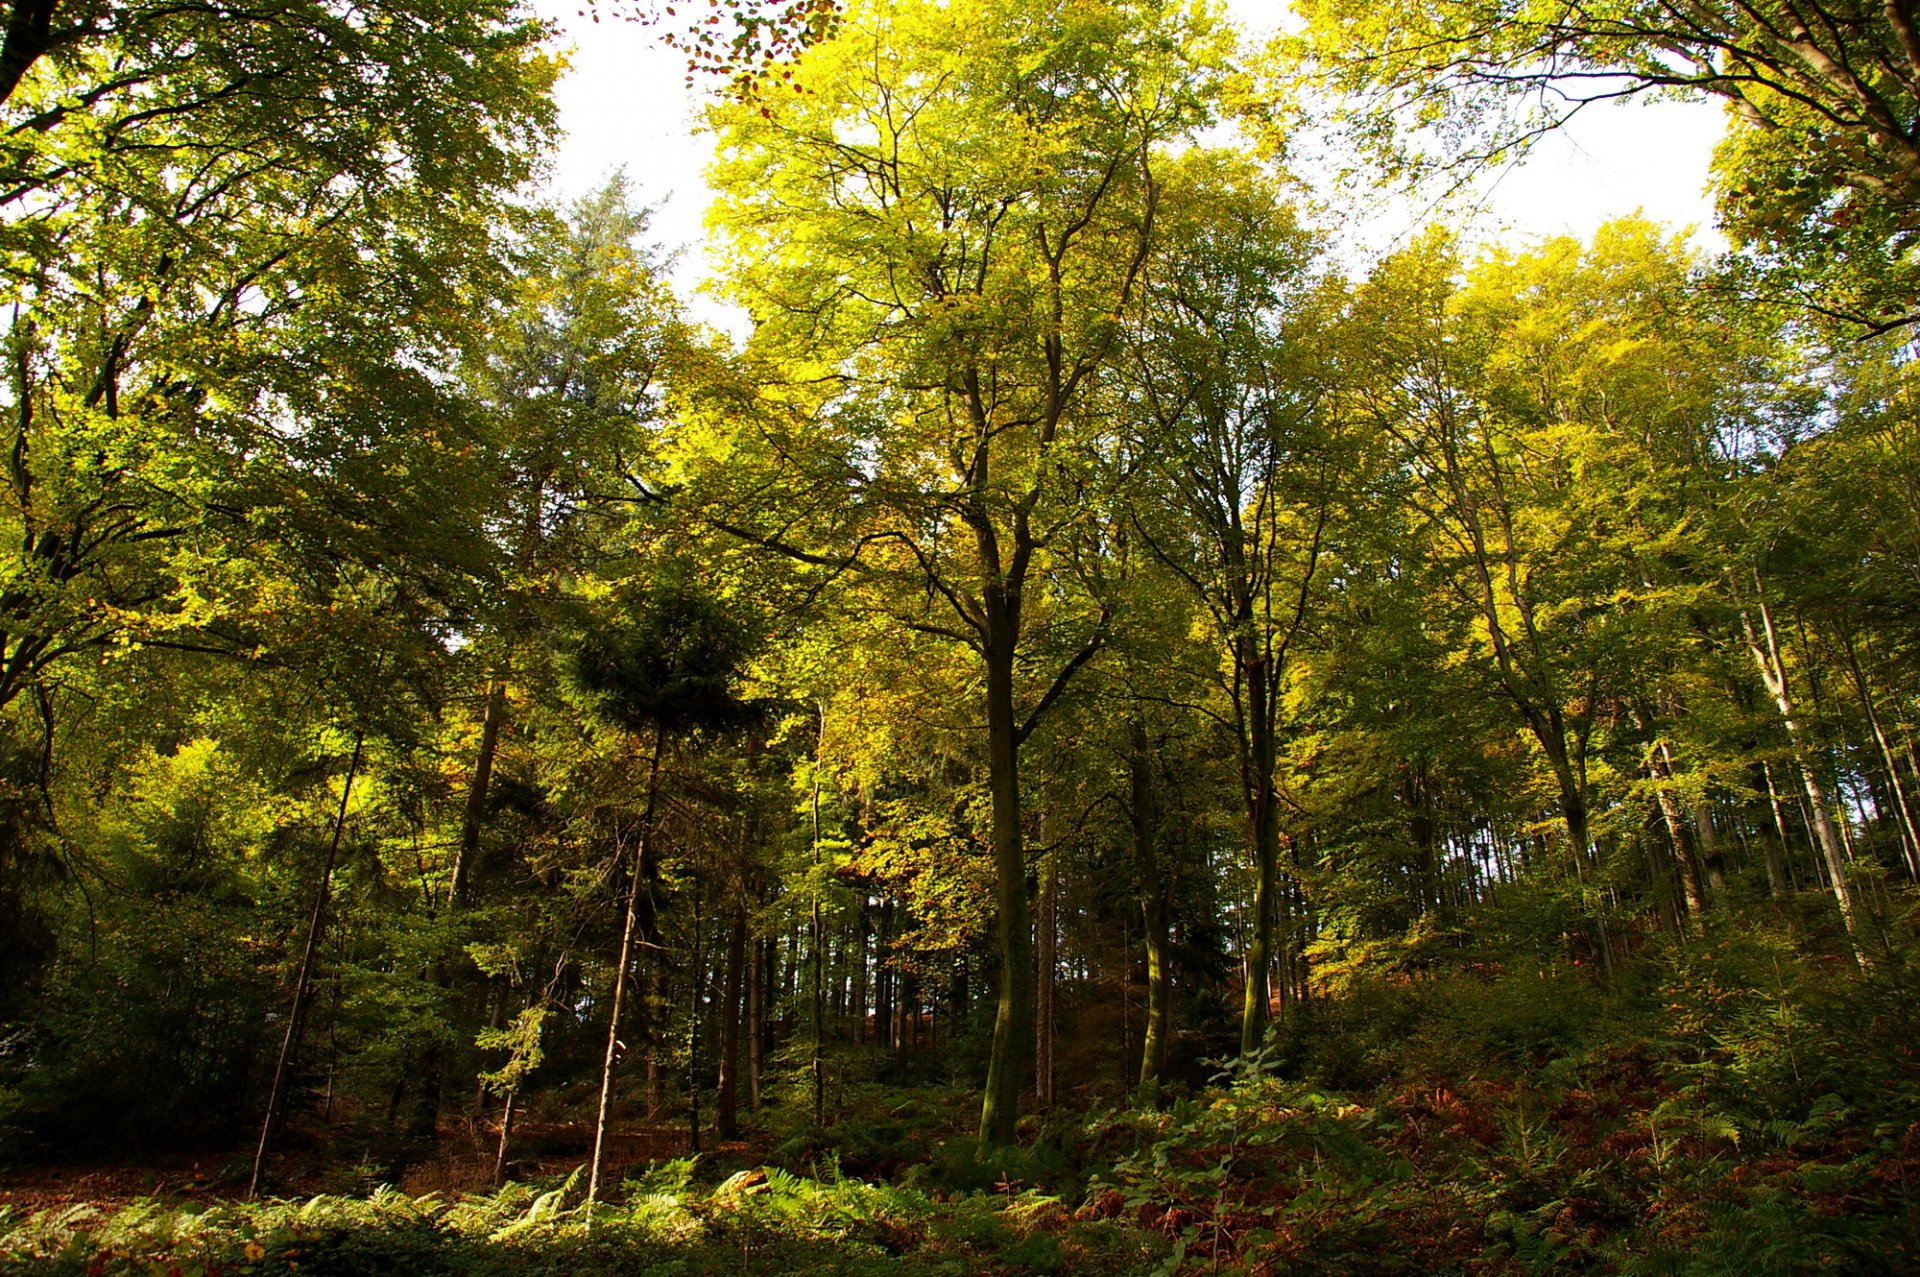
(624, 103)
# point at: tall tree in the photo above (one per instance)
(1244, 473)
(662, 665)
(240, 249)
(1548, 419)
(938, 243)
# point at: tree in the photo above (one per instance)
(1819, 176)
(1547, 419)
(572, 372)
(664, 665)
(1243, 487)
(238, 241)
(240, 246)
(938, 244)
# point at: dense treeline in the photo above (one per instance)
(1083, 630)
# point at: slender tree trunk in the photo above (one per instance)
(473, 813)
(657, 1001)
(1661, 884)
(906, 1035)
(727, 1102)
(1909, 830)
(303, 980)
(1573, 811)
(1263, 821)
(1046, 961)
(839, 960)
(426, 1076)
(1679, 836)
(506, 1133)
(957, 999)
(1784, 840)
(1153, 910)
(1774, 857)
(696, 982)
(758, 980)
(885, 979)
(1765, 649)
(1708, 842)
(637, 884)
(1126, 996)
(1416, 793)
(819, 1060)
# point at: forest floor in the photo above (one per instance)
(1722, 1112)
(459, 1165)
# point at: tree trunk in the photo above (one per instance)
(1013, 1016)
(1573, 811)
(1679, 836)
(885, 980)
(1661, 885)
(657, 1001)
(862, 928)
(696, 981)
(1765, 649)
(1153, 910)
(906, 1035)
(426, 1075)
(759, 978)
(819, 1061)
(1417, 796)
(473, 813)
(1263, 823)
(726, 1121)
(1708, 843)
(1046, 960)
(1126, 997)
(1780, 879)
(635, 887)
(303, 979)
(958, 1007)
(1909, 830)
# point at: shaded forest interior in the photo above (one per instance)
(1105, 732)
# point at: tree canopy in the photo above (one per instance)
(1169, 744)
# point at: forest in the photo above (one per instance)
(1101, 733)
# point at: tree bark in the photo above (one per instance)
(637, 884)
(1013, 1016)
(759, 979)
(1909, 830)
(1046, 960)
(473, 813)
(819, 1061)
(1263, 822)
(1707, 841)
(885, 981)
(1144, 818)
(1780, 878)
(303, 980)
(426, 1076)
(658, 999)
(506, 1133)
(1764, 647)
(1679, 835)
(958, 1002)
(29, 36)
(726, 1105)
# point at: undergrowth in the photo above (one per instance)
(1733, 1106)
(768, 1221)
